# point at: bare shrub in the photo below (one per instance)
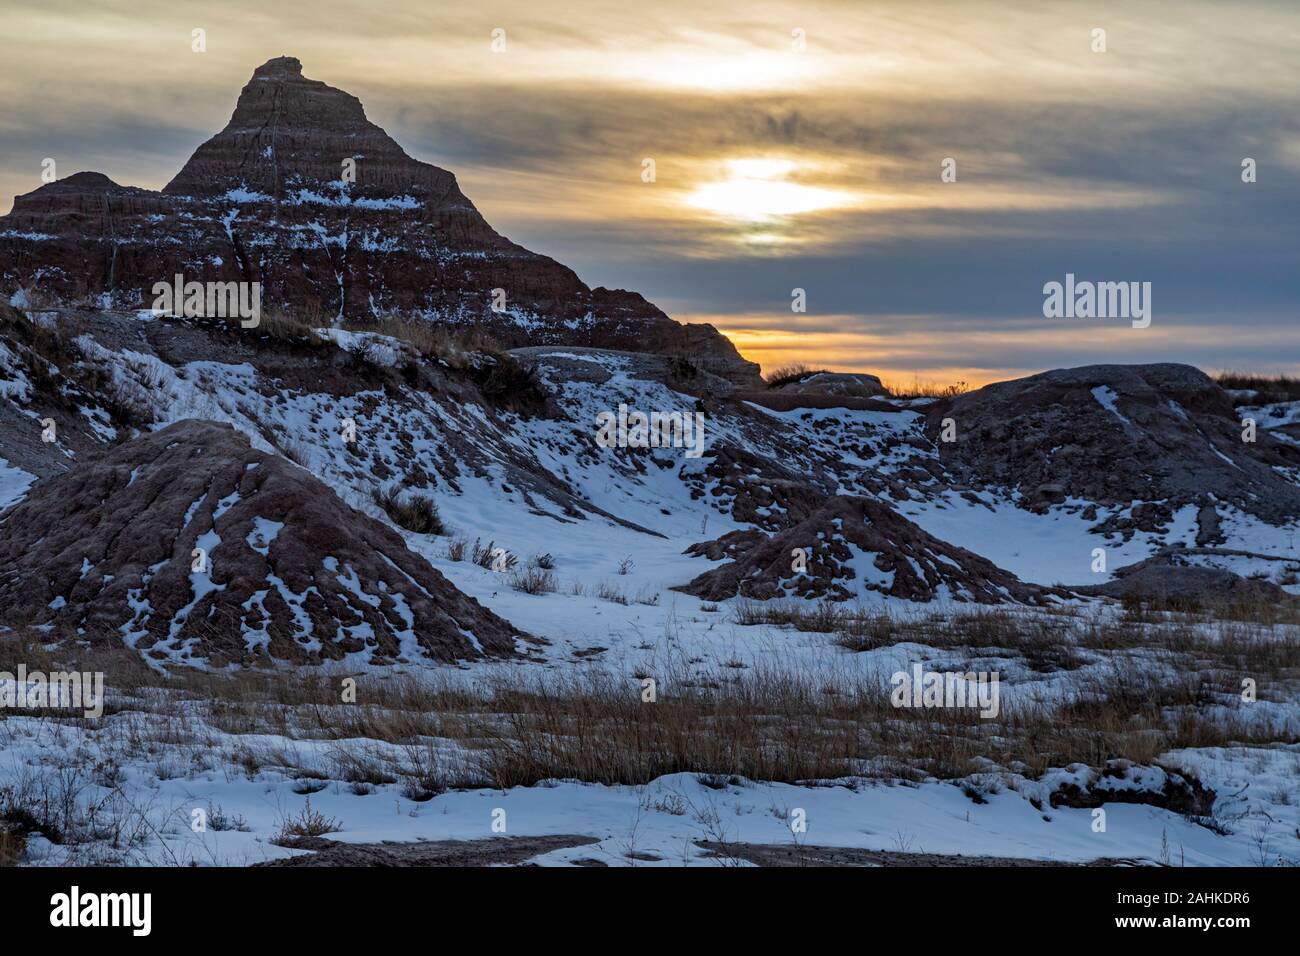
(492, 558)
(420, 773)
(295, 450)
(360, 766)
(13, 844)
(307, 823)
(533, 581)
(417, 513)
(608, 592)
(1269, 388)
(218, 819)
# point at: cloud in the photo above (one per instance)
(1123, 164)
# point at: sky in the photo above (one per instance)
(795, 146)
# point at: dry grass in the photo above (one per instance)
(417, 513)
(1137, 691)
(1271, 388)
(788, 374)
(458, 346)
(1043, 642)
(1256, 608)
(922, 389)
(771, 726)
(473, 353)
(533, 580)
(823, 617)
(281, 326)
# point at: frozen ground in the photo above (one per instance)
(134, 784)
(144, 809)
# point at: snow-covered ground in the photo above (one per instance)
(14, 483)
(145, 808)
(616, 562)
(1051, 548)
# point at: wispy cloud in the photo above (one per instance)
(1125, 164)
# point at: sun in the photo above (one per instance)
(760, 190)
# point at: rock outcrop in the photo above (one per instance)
(191, 546)
(1188, 576)
(855, 546)
(302, 193)
(1160, 435)
(840, 384)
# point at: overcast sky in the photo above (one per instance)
(796, 145)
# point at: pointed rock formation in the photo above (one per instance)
(302, 193)
(288, 130)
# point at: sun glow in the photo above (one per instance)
(701, 63)
(760, 190)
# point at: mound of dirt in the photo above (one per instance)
(1122, 781)
(856, 544)
(190, 545)
(494, 851)
(1175, 575)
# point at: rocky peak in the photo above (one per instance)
(289, 132)
(90, 181)
(279, 66)
(301, 193)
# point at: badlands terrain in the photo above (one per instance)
(366, 577)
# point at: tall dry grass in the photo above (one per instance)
(1130, 690)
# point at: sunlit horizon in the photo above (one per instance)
(803, 149)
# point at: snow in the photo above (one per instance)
(14, 483)
(244, 195)
(201, 585)
(1245, 532)
(1106, 397)
(865, 570)
(100, 422)
(1051, 548)
(263, 534)
(342, 198)
(1224, 457)
(380, 349)
(636, 516)
(1273, 416)
(14, 384)
(657, 824)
